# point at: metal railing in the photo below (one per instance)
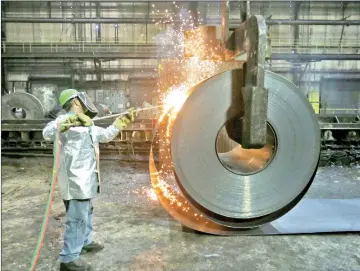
(339, 111)
(279, 45)
(315, 46)
(80, 47)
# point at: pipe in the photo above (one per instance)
(26, 154)
(49, 69)
(166, 1)
(332, 71)
(312, 22)
(42, 61)
(314, 57)
(139, 75)
(49, 76)
(105, 55)
(232, 23)
(117, 71)
(78, 20)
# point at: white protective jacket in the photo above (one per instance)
(78, 165)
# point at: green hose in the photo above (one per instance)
(48, 205)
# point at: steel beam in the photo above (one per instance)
(151, 55)
(81, 55)
(312, 22)
(186, 1)
(232, 22)
(49, 69)
(314, 57)
(328, 71)
(78, 20)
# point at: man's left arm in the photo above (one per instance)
(108, 134)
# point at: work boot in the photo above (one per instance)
(77, 265)
(93, 247)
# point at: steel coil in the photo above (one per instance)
(212, 184)
(19, 105)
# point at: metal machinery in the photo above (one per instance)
(24, 138)
(21, 129)
(340, 137)
(23, 122)
(243, 148)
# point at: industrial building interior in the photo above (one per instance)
(244, 153)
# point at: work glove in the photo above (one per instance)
(123, 121)
(131, 114)
(71, 121)
(85, 120)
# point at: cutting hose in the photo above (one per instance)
(48, 205)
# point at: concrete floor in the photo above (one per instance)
(139, 235)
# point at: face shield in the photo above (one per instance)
(90, 108)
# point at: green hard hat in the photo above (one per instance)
(66, 95)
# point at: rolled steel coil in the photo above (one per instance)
(210, 183)
(19, 105)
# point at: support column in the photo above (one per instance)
(49, 9)
(98, 26)
(296, 67)
(194, 12)
(4, 89)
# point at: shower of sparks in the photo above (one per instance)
(146, 191)
(189, 55)
(175, 98)
(151, 194)
(191, 52)
(166, 191)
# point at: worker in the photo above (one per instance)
(78, 171)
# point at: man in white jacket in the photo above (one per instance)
(78, 172)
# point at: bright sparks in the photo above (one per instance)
(190, 55)
(151, 194)
(175, 99)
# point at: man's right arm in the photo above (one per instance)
(52, 128)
